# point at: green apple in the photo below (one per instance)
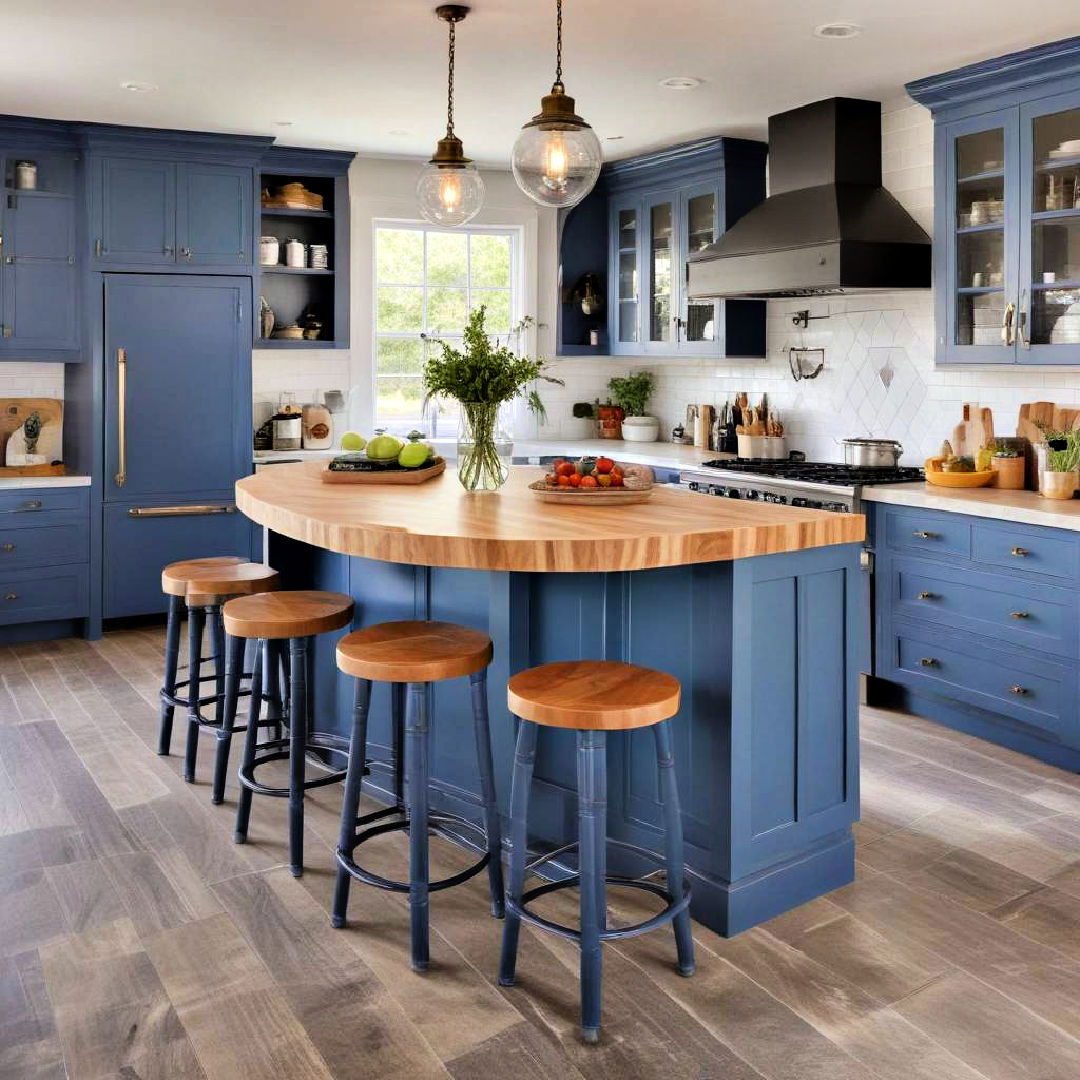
(384, 448)
(413, 455)
(353, 440)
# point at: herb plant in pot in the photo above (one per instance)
(632, 394)
(1061, 471)
(484, 375)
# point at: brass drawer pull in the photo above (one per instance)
(1019, 552)
(929, 661)
(1018, 690)
(1019, 615)
(179, 511)
(927, 596)
(12, 596)
(7, 547)
(922, 534)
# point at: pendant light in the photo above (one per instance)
(450, 190)
(557, 157)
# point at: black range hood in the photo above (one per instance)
(828, 226)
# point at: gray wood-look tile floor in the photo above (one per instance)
(137, 941)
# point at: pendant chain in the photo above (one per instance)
(558, 44)
(450, 84)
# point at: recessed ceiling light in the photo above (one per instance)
(283, 123)
(139, 87)
(838, 30)
(680, 82)
(612, 138)
(397, 132)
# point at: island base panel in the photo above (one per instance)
(766, 741)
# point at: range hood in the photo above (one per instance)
(828, 226)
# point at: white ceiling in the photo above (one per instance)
(370, 76)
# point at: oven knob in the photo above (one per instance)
(715, 489)
(732, 493)
(800, 501)
(694, 485)
(753, 495)
(835, 507)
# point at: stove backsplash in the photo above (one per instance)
(879, 378)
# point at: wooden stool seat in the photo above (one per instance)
(593, 695)
(413, 651)
(290, 614)
(216, 584)
(175, 576)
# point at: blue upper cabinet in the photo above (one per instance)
(152, 212)
(1007, 207)
(660, 208)
(38, 272)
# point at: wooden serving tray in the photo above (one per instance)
(31, 470)
(384, 476)
(591, 496)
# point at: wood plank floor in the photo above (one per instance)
(137, 941)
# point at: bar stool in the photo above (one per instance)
(417, 654)
(174, 693)
(594, 697)
(274, 619)
(208, 589)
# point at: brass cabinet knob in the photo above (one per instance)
(7, 547)
(927, 596)
(1019, 615)
(12, 596)
(929, 661)
(1019, 552)
(1018, 690)
(922, 534)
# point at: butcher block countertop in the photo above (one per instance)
(440, 524)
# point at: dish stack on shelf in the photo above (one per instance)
(1068, 149)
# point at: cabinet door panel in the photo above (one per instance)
(700, 330)
(40, 226)
(137, 204)
(214, 215)
(40, 304)
(624, 327)
(186, 393)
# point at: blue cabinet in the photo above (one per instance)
(977, 626)
(1007, 199)
(166, 213)
(38, 274)
(660, 209)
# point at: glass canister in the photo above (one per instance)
(25, 175)
(269, 250)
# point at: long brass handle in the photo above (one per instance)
(1021, 322)
(178, 511)
(1007, 324)
(121, 417)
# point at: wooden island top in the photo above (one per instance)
(440, 524)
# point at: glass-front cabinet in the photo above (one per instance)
(1007, 197)
(625, 330)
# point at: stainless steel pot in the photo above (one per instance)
(872, 453)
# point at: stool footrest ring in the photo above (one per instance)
(185, 702)
(437, 823)
(278, 750)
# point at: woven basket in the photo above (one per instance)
(292, 197)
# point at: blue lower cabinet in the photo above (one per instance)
(977, 627)
(139, 540)
(37, 594)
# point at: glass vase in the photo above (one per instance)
(484, 447)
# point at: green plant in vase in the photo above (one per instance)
(482, 375)
(1062, 470)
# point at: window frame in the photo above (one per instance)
(516, 289)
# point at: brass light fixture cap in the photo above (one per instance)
(451, 12)
(450, 154)
(557, 112)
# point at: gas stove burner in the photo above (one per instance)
(819, 472)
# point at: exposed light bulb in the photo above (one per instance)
(449, 192)
(556, 164)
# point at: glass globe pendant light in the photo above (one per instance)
(450, 190)
(557, 157)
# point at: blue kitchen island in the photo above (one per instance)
(759, 610)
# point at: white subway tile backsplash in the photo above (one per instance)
(31, 379)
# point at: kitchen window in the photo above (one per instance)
(426, 282)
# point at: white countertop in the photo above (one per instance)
(8, 483)
(663, 455)
(1025, 507)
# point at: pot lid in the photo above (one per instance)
(859, 441)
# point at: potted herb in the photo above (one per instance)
(1059, 476)
(1007, 464)
(632, 395)
(483, 375)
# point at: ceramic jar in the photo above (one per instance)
(269, 250)
(1058, 485)
(295, 253)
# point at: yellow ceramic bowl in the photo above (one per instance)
(935, 475)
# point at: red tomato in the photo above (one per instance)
(589, 482)
(604, 465)
(564, 481)
(616, 480)
(566, 468)
(575, 480)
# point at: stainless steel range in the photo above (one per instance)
(821, 485)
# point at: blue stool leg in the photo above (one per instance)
(482, 728)
(592, 839)
(673, 844)
(196, 621)
(216, 625)
(168, 684)
(298, 722)
(397, 724)
(350, 805)
(417, 740)
(524, 760)
(234, 669)
(261, 671)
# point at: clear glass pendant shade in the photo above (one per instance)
(556, 165)
(449, 194)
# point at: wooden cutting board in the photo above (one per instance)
(14, 412)
(974, 432)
